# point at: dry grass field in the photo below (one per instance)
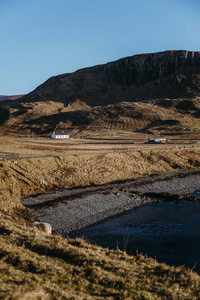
(108, 141)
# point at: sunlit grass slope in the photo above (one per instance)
(37, 266)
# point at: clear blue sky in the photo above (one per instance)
(43, 38)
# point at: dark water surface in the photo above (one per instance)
(169, 232)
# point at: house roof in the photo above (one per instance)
(60, 133)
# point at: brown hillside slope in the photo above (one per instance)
(159, 116)
(37, 266)
(168, 74)
(135, 93)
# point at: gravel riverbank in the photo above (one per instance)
(70, 215)
(74, 209)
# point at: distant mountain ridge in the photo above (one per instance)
(14, 97)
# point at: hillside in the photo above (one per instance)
(158, 92)
(166, 116)
(169, 74)
(37, 266)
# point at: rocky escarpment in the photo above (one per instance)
(139, 69)
(169, 74)
(159, 92)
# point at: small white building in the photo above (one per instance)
(60, 135)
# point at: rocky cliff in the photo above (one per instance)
(169, 74)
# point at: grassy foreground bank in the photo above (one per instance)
(37, 266)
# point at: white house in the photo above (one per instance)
(60, 135)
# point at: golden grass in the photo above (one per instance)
(37, 266)
(19, 178)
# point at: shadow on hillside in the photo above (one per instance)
(4, 115)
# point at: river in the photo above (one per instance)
(169, 232)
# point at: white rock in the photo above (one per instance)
(46, 227)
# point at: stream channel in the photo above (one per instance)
(169, 232)
(158, 216)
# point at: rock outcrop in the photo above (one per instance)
(169, 74)
(46, 227)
